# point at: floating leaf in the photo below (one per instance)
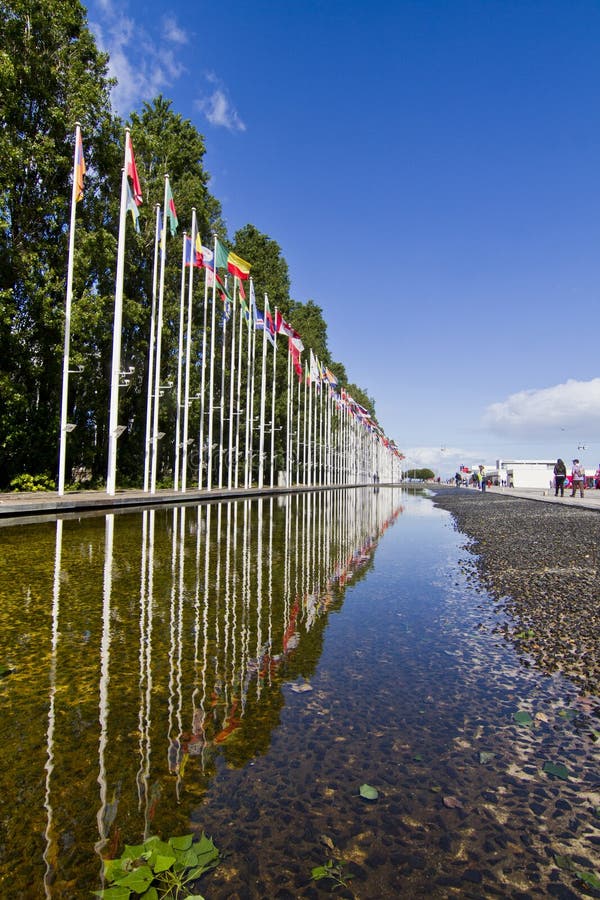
(139, 880)
(556, 769)
(301, 688)
(452, 803)
(435, 788)
(183, 842)
(115, 892)
(589, 878)
(563, 862)
(368, 792)
(485, 756)
(327, 841)
(522, 718)
(417, 757)
(568, 713)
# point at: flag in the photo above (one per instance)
(131, 170)
(295, 354)
(222, 256)
(238, 266)
(240, 287)
(131, 207)
(171, 212)
(259, 320)
(330, 377)
(314, 369)
(207, 255)
(269, 318)
(79, 170)
(188, 254)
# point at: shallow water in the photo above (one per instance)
(244, 668)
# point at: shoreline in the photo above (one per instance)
(541, 562)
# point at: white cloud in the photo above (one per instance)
(217, 107)
(444, 461)
(173, 32)
(142, 65)
(574, 404)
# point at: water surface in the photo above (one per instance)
(243, 668)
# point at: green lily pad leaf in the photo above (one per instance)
(485, 756)
(115, 892)
(161, 862)
(114, 869)
(589, 878)
(139, 880)
(563, 862)
(133, 851)
(557, 769)
(522, 718)
(184, 842)
(368, 792)
(151, 894)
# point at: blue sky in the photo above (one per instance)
(431, 171)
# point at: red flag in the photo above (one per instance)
(132, 171)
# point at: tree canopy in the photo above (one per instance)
(52, 75)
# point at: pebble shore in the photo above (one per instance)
(541, 562)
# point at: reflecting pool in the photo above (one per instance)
(243, 668)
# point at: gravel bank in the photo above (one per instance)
(541, 561)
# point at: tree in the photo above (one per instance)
(51, 75)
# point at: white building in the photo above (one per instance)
(526, 473)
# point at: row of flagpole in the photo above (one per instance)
(330, 438)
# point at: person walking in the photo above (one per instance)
(577, 478)
(560, 473)
(481, 477)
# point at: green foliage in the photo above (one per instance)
(333, 869)
(159, 869)
(51, 76)
(25, 483)
(421, 474)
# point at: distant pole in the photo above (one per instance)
(117, 328)
(75, 196)
(151, 348)
(188, 357)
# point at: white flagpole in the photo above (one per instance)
(310, 425)
(250, 395)
(159, 318)
(238, 403)
(62, 453)
(288, 422)
(188, 357)
(179, 368)
(230, 463)
(147, 442)
(115, 373)
(222, 399)
(273, 404)
(203, 386)
(263, 387)
(211, 383)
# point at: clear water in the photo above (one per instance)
(244, 668)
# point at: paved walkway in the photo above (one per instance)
(17, 506)
(591, 497)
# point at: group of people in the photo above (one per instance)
(577, 478)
